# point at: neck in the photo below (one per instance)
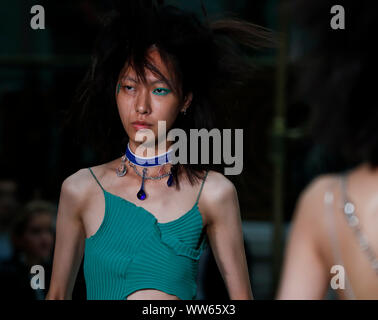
(149, 152)
(146, 153)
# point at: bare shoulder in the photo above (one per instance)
(219, 196)
(309, 215)
(77, 183)
(77, 188)
(218, 186)
(80, 183)
(314, 193)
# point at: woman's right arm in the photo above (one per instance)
(70, 239)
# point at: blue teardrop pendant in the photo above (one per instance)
(141, 194)
(170, 180)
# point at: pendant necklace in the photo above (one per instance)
(145, 162)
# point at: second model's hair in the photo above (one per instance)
(337, 75)
(204, 58)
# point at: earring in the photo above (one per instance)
(184, 112)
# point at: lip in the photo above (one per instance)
(140, 124)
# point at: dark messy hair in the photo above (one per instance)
(336, 77)
(206, 59)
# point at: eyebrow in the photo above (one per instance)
(136, 81)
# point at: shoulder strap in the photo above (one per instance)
(199, 193)
(332, 231)
(343, 187)
(96, 179)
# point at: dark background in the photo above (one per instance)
(41, 69)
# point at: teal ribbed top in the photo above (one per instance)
(131, 250)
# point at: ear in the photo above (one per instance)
(187, 101)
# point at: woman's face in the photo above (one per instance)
(38, 238)
(148, 102)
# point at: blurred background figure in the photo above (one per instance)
(333, 242)
(32, 236)
(8, 207)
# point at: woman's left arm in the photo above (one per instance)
(224, 231)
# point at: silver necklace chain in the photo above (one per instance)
(354, 223)
(145, 170)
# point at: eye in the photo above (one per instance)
(128, 88)
(161, 91)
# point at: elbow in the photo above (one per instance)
(246, 296)
(57, 295)
(242, 294)
(51, 296)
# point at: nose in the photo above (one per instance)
(143, 102)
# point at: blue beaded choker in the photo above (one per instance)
(145, 162)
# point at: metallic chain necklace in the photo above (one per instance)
(354, 223)
(145, 171)
(122, 170)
